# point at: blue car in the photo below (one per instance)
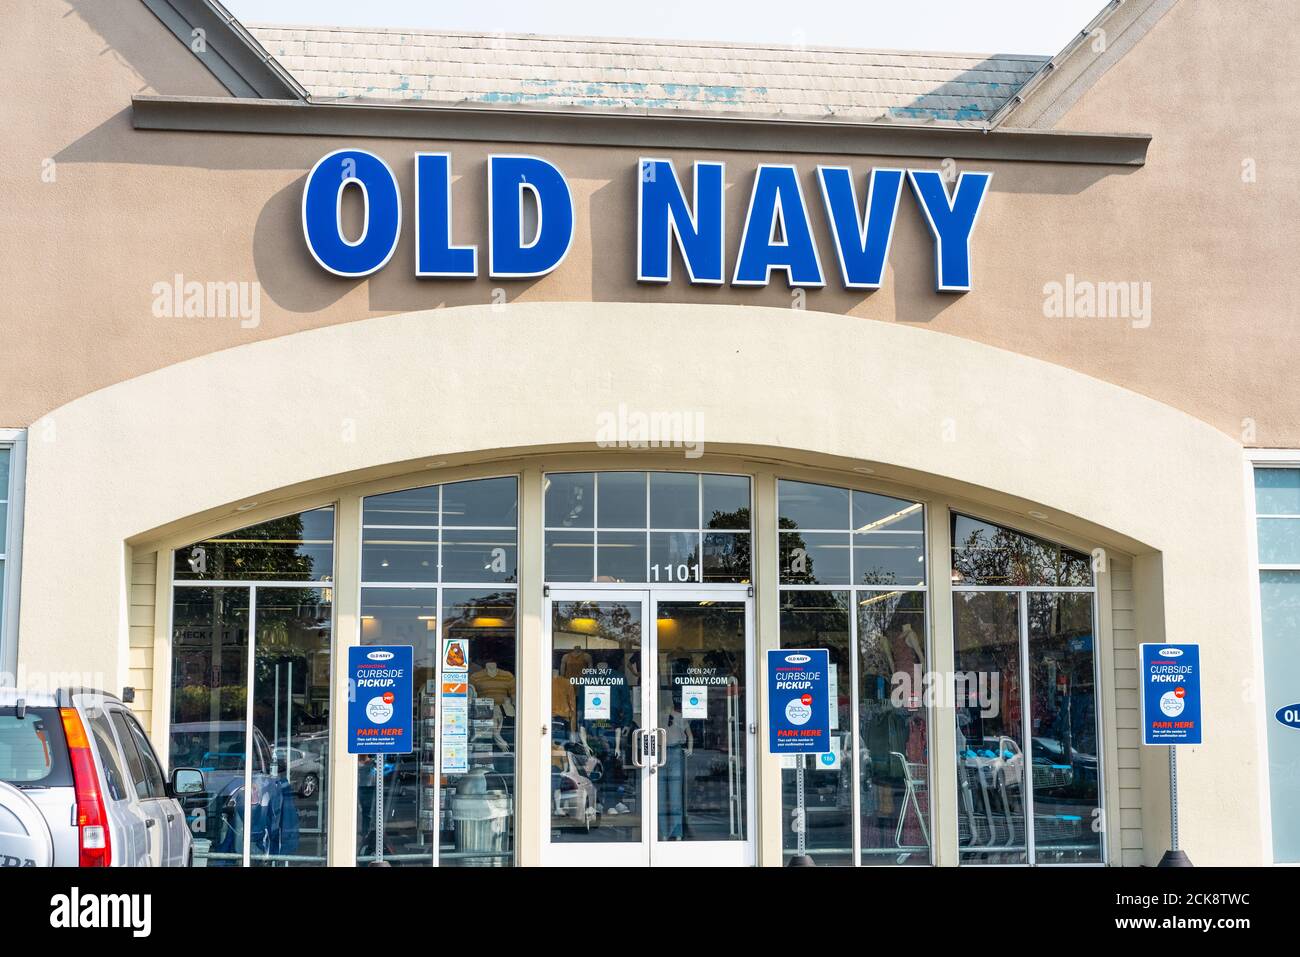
(217, 815)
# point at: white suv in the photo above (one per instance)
(81, 786)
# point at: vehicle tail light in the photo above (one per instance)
(94, 846)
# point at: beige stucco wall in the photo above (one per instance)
(140, 422)
(207, 435)
(129, 209)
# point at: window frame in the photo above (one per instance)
(327, 587)
(1022, 610)
(650, 529)
(854, 591)
(1253, 460)
(439, 586)
(15, 442)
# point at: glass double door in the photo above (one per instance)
(651, 728)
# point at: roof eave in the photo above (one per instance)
(662, 130)
(1047, 95)
(228, 51)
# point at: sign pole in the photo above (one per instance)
(1171, 715)
(798, 803)
(801, 857)
(1173, 857)
(1173, 799)
(379, 813)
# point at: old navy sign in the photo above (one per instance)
(777, 236)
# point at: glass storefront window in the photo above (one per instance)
(264, 754)
(1064, 756)
(4, 547)
(647, 527)
(477, 827)
(291, 718)
(1028, 745)
(893, 728)
(252, 637)
(210, 637)
(834, 536)
(452, 801)
(404, 616)
(701, 651)
(987, 554)
(868, 801)
(293, 548)
(820, 619)
(595, 788)
(990, 729)
(1277, 509)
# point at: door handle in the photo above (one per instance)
(636, 747)
(663, 748)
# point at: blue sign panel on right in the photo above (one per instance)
(798, 701)
(1171, 693)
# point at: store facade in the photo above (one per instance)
(592, 410)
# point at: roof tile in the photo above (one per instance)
(436, 66)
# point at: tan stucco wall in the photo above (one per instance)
(129, 209)
(139, 422)
(209, 434)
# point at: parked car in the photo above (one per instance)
(81, 786)
(217, 748)
(302, 769)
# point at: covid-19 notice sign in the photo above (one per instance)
(379, 705)
(798, 701)
(1171, 693)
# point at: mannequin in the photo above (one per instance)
(672, 779)
(634, 685)
(908, 651)
(498, 686)
(564, 701)
(573, 662)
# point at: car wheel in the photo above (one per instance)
(310, 784)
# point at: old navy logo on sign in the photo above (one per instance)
(1289, 716)
(531, 219)
(1171, 652)
(380, 656)
(797, 659)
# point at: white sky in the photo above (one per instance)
(974, 26)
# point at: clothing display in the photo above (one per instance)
(493, 682)
(573, 663)
(672, 787)
(877, 658)
(564, 701)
